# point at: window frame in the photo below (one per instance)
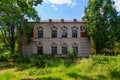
(54, 49)
(74, 33)
(54, 34)
(64, 33)
(40, 33)
(64, 50)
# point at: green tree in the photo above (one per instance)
(101, 23)
(117, 36)
(117, 32)
(13, 15)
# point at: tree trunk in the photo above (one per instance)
(98, 50)
(20, 40)
(12, 39)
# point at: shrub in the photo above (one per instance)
(12, 57)
(23, 59)
(41, 61)
(71, 55)
(2, 58)
(38, 61)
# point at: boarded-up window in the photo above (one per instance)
(83, 32)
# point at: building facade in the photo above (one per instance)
(58, 37)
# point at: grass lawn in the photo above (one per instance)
(93, 68)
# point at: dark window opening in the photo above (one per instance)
(54, 50)
(39, 50)
(40, 33)
(64, 50)
(54, 33)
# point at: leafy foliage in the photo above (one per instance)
(101, 19)
(71, 55)
(13, 15)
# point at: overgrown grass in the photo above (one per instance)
(93, 68)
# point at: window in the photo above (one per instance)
(54, 33)
(39, 50)
(54, 50)
(64, 33)
(83, 34)
(40, 33)
(64, 50)
(75, 49)
(74, 33)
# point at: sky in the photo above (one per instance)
(65, 9)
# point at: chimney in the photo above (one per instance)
(50, 20)
(75, 20)
(62, 20)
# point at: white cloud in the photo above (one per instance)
(60, 2)
(117, 5)
(83, 0)
(54, 7)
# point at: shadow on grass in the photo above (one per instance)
(115, 74)
(78, 77)
(44, 78)
(49, 64)
(101, 77)
(22, 67)
(85, 77)
(6, 65)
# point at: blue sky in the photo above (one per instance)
(67, 9)
(64, 9)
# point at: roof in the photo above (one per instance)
(62, 20)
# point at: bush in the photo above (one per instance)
(101, 59)
(41, 61)
(12, 57)
(23, 59)
(2, 58)
(71, 55)
(38, 61)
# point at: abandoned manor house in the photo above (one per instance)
(58, 37)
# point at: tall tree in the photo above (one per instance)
(101, 22)
(12, 19)
(117, 32)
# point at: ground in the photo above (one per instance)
(93, 68)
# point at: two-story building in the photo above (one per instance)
(58, 37)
